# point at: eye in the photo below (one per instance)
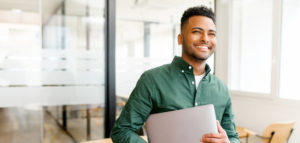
(196, 32)
(212, 34)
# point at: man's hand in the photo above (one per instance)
(220, 137)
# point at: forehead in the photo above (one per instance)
(200, 21)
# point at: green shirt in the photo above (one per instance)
(172, 87)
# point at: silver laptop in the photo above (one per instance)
(182, 126)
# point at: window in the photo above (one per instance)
(251, 46)
(289, 71)
(263, 53)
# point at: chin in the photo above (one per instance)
(201, 58)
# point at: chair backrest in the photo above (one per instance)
(280, 131)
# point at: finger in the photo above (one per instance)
(212, 135)
(211, 140)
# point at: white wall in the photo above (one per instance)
(257, 113)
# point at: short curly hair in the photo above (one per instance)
(197, 11)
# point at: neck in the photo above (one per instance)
(198, 65)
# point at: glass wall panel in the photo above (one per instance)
(21, 117)
(146, 37)
(52, 70)
(73, 59)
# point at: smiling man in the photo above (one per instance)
(184, 83)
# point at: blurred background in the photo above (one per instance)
(54, 65)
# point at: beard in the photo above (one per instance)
(200, 58)
(188, 51)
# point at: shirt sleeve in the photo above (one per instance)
(134, 114)
(228, 123)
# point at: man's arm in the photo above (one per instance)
(134, 114)
(228, 123)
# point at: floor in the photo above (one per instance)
(40, 125)
(17, 125)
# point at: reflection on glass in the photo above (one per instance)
(146, 37)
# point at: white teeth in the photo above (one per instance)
(202, 47)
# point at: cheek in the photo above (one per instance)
(214, 42)
(194, 39)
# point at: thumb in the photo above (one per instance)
(220, 129)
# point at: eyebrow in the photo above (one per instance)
(199, 28)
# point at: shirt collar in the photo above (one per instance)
(185, 67)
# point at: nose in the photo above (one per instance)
(204, 37)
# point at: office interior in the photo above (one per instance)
(67, 67)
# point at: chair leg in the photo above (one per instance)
(272, 134)
(290, 135)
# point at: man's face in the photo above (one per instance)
(198, 38)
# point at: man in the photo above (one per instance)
(184, 83)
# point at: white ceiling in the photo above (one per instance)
(24, 5)
(163, 11)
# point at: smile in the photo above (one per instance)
(202, 48)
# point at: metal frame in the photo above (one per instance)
(63, 25)
(110, 87)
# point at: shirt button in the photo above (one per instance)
(190, 67)
(196, 104)
(193, 82)
(182, 71)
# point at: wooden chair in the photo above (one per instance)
(274, 133)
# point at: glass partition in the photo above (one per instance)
(52, 70)
(21, 116)
(73, 56)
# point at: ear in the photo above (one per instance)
(179, 39)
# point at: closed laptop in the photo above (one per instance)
(182, 126)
